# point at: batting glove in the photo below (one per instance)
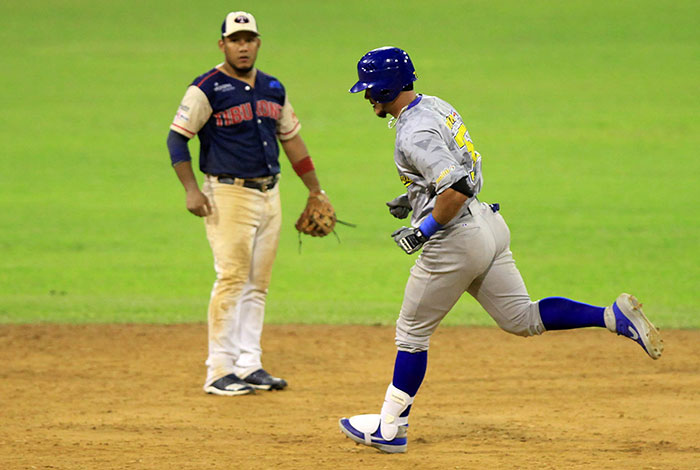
(399, 207)
(409, 240)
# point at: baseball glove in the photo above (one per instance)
(318, 218)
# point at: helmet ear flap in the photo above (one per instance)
(383, 95)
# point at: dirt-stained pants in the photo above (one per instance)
(243, 233)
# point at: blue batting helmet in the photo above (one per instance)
(385, 72)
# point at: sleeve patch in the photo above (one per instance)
(194, 111)
(288, 124)
(444, 173)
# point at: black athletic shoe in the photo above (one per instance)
(261, 380)
(230, 386)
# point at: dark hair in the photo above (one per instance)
(408, 87)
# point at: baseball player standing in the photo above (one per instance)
(465, 246)
(239, 113)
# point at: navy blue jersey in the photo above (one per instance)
(238, 125)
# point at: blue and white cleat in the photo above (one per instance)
(625, 317)
(364, 429)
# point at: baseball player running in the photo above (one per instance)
(465, 246)
(239, 113)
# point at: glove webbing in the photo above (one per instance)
(334, 232)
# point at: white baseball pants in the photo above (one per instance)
(243, 233)
(472, 256)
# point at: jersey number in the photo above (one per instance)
(460, 137)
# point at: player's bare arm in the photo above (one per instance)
(197, 203)
(297, 153)
(318, 218)
(447, 205)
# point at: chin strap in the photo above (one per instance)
(392, 122)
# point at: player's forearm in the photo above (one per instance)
(295, 149)
(311, 181)
(298, 156)
(447, 205)
(185, 174)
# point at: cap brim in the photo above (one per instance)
(242, 31)
(359, 86)
(379, 84)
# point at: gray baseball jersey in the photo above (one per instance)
(471, 253)
(433, 151)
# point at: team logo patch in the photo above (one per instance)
(242, 19)
(458, 129)
(452, 118)
(406, 180)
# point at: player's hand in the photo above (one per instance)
(198, 203)
(399, 206)
(408, 239)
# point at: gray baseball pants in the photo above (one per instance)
(472, 255)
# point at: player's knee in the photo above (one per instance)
(520, 330)
(524, 321)
(230, 280)
(412, 343)
(412, 340)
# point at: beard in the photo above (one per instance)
(380, 113)
(243, 70)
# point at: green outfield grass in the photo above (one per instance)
(585, 112)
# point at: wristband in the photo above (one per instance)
(429, 226)
(303, 166)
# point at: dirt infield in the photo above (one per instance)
(129, 397)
